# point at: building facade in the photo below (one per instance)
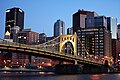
(118, 32)
(83, 19)
(42, 38)
(59, 28)
(115, 44)
(100, 21)
(96, 41)
(25, 36)
(70, 30)
(112, 26)
(14, 17)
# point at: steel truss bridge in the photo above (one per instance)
(63, 48)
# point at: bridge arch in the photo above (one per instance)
(69, 38)
(68, 47)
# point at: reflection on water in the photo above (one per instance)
(52, 76)
(95, 77)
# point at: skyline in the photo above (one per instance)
(40, 16)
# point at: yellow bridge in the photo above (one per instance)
(53, 49)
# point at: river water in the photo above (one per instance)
(52, 76)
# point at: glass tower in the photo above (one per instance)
(82, 17)
(112, 26)
(59, 28)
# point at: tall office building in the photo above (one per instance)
(59, 28)
(118, 32)
(97, 41)
(42, 38)
(112, 26)
(70, 30)
(14, 17)
(82, 17)
(100, 21)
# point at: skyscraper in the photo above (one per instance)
(14, 17)
(112, 26)
(118, 32)
(100, 21)
(42, 38)
(59, 28)
(97, 41)
(81, 17)
(70, 30)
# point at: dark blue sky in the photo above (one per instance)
(40, 15)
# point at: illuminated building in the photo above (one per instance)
(14, 17)
(29, 37)
(97, 41)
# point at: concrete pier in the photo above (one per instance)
(68, 69)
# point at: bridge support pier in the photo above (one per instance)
(95, 69)
(68, 69)
(60, 62)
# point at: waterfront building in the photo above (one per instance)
(40, 61)
(83, 19)
(112, 26)
(96, 41)
(70, 30)
(14, 17)
(26, 36)
(59, 28)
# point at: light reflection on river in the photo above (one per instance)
(52, 76)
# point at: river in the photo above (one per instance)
(52, 76)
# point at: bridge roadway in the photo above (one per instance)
(46, 53)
